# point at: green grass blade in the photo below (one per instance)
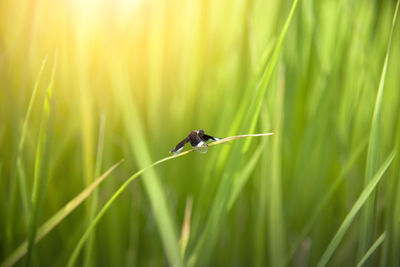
(41, 167)
(275, 221)
(94, 222)
(29, 111)
(354, 210)
(367, 229)
(152, 184)
(244, 175)
(205, 245)
(327, 197)
(372, 249)
(88, 256)
(253, 111)
(391, 245)
(24, 194)
(262, 190)
(262, 65)
(78, 247)
(24, 191)
(57, 218)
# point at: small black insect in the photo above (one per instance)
(197, 139)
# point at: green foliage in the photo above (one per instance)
(354, 210)
(368, 221)
(322, 75)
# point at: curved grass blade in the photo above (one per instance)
(93, 224)
(57, 218)
(367, 226)
(354, 210)
(372, 249)
(24, 190)
(26, 204)
(42, 159)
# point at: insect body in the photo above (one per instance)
(197, 140)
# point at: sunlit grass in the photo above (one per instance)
(84, 84)
(57, 218)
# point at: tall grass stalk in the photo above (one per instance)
(276, 223)
(391, 244)
(24, 193)
(205, 244)
(88, 257)
(42, 159)
(152, 184)
(365, 194)
(368, 221)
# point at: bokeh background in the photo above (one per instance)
(128, 79)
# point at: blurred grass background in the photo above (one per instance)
(129, 79)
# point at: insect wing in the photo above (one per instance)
(206, 137)
(180, 146)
